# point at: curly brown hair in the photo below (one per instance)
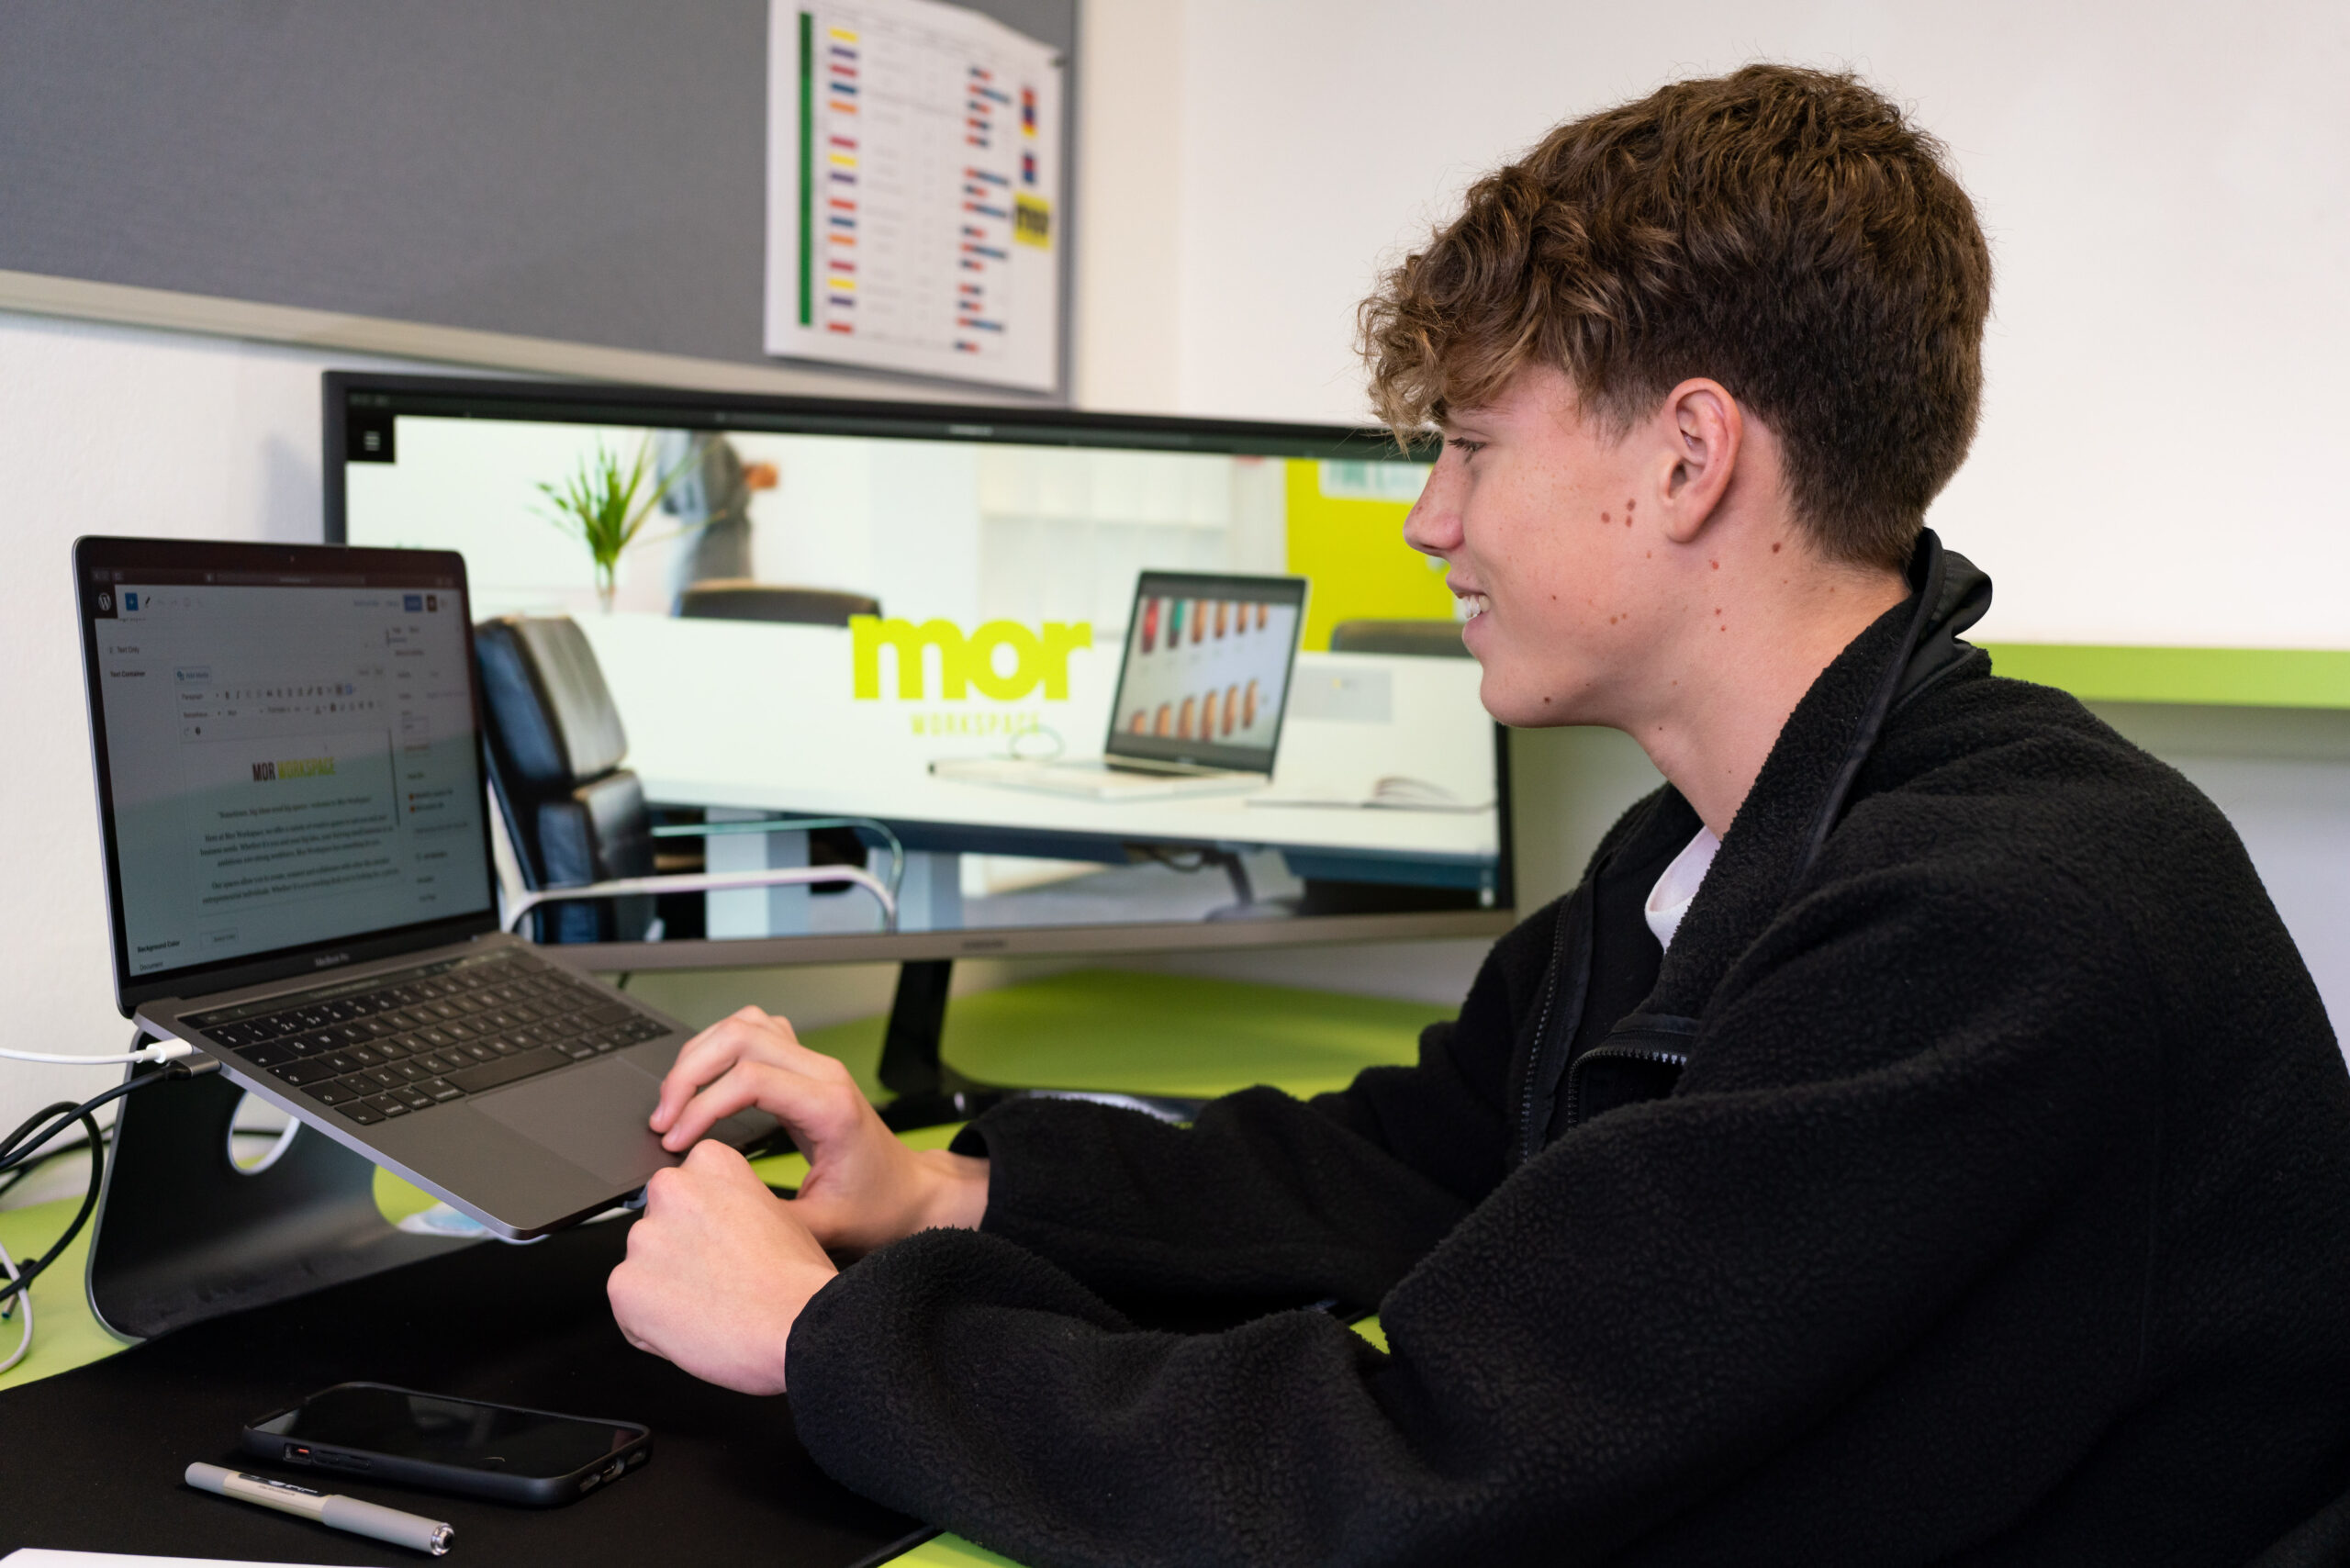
(1785, 231)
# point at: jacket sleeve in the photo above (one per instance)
(1665, 1302)
(1265, 1196)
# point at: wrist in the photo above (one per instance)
(957, 1190)
(805, 1285)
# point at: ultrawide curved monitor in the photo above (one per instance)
(1070, 682)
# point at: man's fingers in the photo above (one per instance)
(703, 1057)
(741, 1087)
(708, 1055)
(718, 1159)
(809, 1107)
(748, 1036)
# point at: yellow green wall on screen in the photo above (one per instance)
(1353, 552)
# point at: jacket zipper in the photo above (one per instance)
(1677, 1060)
(1528, 1140)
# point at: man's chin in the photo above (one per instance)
(1523, 708)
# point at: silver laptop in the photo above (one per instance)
(1202, 684)
(288, 744)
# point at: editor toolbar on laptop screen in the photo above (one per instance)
(288, 763)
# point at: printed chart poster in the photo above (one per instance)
(913, 176)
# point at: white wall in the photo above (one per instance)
(2161, 184)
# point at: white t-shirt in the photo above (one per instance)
(1669, 900)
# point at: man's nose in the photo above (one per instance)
(1433, 526)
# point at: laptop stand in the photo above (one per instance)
(182, 1235)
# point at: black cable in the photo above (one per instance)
(21, 1147)
(23, 1171)
(18, 1146)
(28, 1273)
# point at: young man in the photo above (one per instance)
(1915, 1140)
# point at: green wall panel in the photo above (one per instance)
(2258, 677)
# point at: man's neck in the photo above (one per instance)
(1712, 719)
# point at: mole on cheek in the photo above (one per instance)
(1715, 565)
(1605, 518)
(1774, 549)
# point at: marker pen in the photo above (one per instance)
(370, 1519)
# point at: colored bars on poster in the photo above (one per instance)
(807, 168)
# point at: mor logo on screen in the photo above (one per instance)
(293, 768)
(1003, 659)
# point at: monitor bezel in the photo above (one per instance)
(97, 552)
(686, 409)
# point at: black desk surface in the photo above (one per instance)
(91, 1460)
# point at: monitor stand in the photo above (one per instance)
(929, 1093)
(182, 1235)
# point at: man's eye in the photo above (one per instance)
(1466, 447)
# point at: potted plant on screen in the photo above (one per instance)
(606, 507)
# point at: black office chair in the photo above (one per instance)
(1426, 639)
(582, 834)
(737, 598)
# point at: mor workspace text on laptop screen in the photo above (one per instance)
(288, 763)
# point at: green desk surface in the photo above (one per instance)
(1090, 1029)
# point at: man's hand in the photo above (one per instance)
(718, 1269)
(865, 1189)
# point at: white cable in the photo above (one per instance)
(25, 1299)
(270, 1156)
(163, 1050)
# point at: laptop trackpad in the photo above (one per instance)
(595, 1117)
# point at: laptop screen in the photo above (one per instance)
(287, 757)
(1206, 668)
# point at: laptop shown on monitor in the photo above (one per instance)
(287, 748)
(1202, 684)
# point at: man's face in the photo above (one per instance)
(1535, 511)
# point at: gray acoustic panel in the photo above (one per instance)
(589, 170)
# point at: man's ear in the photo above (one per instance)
(1704, 430)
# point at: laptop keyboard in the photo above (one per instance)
(402, 1043)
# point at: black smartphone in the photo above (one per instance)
(461, 1446)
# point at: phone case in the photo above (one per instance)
(530, 1491)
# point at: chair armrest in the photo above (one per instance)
(880, 830)
(709, 881)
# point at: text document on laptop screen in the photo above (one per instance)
(287, 764)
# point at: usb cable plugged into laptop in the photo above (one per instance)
(161, 1050)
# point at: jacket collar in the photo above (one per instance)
(1807, 781)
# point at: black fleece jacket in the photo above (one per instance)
(1969, 1183)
